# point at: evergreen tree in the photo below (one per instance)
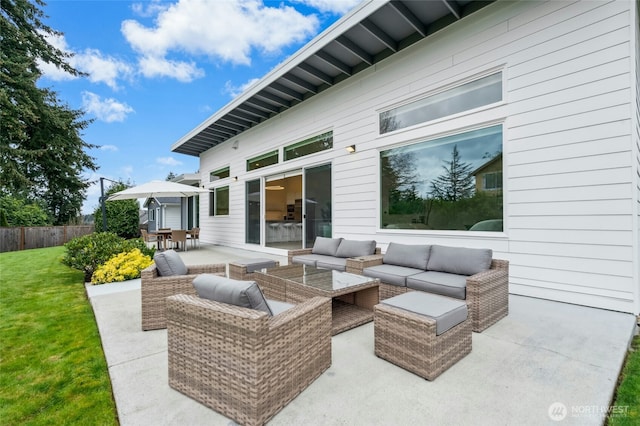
(456, 183)
(42, 154)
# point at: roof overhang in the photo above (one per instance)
(370, 33)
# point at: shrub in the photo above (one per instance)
(88, 252)
(122, 267)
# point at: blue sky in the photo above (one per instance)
(157, 69)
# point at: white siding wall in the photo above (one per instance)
(570, 152)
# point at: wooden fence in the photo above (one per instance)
(24, 238)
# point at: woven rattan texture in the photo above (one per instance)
(409, 340)
(239, 272)
(155, 289)
(242, 363)
(487, 291)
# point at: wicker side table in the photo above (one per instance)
(414, 340)
(243, 269)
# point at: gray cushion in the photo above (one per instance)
(256, 264)
(246, 294)
(169, 263)
(330, 262)
(328, 246)
(442, 283)
(391, 274)
(459, 260)
(307, 259)
(447, 312)
(278, 307)
(411, 256)
(351, 248)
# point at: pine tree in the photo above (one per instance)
(42, 155)
(456, 182)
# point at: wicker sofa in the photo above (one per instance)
(156, 287)
(462, 273)
(332, 253)
(242, 361)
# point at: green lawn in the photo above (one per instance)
(52, 368)
(627, 399)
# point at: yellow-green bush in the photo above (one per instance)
(121, 267)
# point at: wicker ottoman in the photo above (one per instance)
(244, 269)
(421, 332)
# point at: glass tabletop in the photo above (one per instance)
(322, 279)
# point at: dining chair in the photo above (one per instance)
(149, 238)
(194, 236)
(179, 236)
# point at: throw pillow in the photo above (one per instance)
(169, 263)
(409, 255)
(459, 260)
(351, 248)
(246, 294)
(326, 246)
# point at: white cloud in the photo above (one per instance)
(226, 31)
(111, 148)
(234, 91)
(108, 110)
(101, 68)
(168, 161)
(339, 7)
(150, 8)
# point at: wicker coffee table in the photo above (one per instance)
(353, 296)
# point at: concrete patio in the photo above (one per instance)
(544, 357)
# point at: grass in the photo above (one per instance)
(627, 397)
(52, 367)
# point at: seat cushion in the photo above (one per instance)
(409, 255)
(307, 259)
(459, 260)
(330, 262)
(445, 311)
(451, 285)
(352, 248)
(391, 274)
(169, 263)
(246, 294)
(326, 246)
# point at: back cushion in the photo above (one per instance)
(246, 294)
(350, 248)
(326, 246)
(409, 255)
(459, 260)
(168, 263)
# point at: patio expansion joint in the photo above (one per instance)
(127, 361)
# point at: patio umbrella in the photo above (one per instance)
(157, 188)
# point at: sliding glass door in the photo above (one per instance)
(253, 208)
(317, 203)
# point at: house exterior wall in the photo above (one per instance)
(571, 144)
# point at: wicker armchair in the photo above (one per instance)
(487, 291)
(241, 362)
(155, 289)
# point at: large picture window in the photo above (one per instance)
(451, 183)
(477, 93)
(219, 201)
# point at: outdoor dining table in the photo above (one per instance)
(164, 234)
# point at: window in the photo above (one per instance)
(444, 184)
(263, 160)
(219, 201)
(309, 146)
(484, 91)
(219, 174)
(152, 215)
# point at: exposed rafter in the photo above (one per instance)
(372, 33)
